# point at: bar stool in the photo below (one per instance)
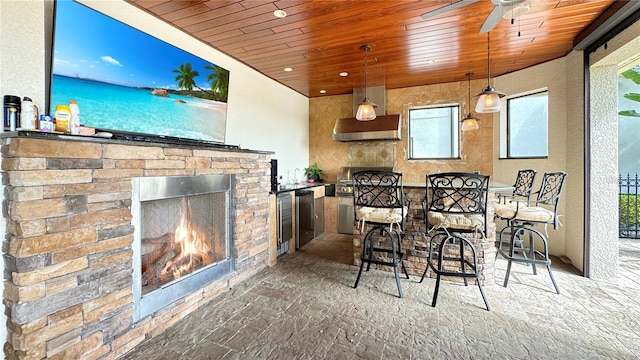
(456, 205)
(522, 217)
(378, 199)
(522, 189)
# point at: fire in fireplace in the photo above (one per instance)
(182, 237)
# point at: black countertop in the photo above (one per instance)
(135, 139)
(294, 187)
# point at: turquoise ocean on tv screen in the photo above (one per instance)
(115, 107)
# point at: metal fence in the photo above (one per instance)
(629, 222)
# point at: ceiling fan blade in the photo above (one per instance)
(492, 20)
(446, 8)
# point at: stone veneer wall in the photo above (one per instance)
(415, 242)
(68, 276)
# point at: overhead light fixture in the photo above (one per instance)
(288, 69)
(366, 110)
(280, 14)
(470, 122)
(344, 73)
(489, 98)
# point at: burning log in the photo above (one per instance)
(157, 266)
(180, 263)
(181, 252)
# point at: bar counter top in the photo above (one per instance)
(493, 186)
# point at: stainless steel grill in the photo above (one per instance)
(344, 186)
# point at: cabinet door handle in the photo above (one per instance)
(280, 228)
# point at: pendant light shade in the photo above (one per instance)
(366, 110)
(489, 101)
(470, 122)
(489, 98)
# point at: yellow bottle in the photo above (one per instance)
(62, 117)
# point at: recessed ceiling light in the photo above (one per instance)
(288, 69)
(344, 73)
(280, 14)
(432, 61)
(323, 91)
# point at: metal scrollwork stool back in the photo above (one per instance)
(522, 217)
(456, 205)
(522, 190)
(379, 202)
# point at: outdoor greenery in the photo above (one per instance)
(219, 78)
(629, 221)
(628, 210)
(634, 76)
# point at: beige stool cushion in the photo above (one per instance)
(456, 221)
(381, 215)
(525, 213)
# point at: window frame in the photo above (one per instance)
(455, 131)
(506, 153)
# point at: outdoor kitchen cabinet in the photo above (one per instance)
(318, 197)
(283, 220)
(309, 214)
(282, 225)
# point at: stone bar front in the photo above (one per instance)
(68, 242)
(415, 240)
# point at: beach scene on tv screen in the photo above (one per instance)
(126, 80)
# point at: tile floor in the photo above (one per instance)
(306, 308)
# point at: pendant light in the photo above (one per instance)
(489, 98)
(470, 122)
(366, 110)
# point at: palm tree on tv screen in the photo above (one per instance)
(185, 77)
(219, 81)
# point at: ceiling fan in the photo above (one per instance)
(508, 9)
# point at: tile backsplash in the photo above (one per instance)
(372, 154)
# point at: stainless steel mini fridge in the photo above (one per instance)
(305, 217)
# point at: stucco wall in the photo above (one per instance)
(603, 177)
(603, 216)
(574, 194)
(551, 75)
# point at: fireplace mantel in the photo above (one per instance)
(68, 260)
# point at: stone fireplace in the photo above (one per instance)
(181, 240)
(76, 235)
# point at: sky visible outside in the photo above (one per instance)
(90, 45)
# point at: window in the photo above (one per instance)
(527, 125)
(433, 132)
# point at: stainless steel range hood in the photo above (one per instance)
(384, 127)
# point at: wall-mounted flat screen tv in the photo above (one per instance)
(125, 80)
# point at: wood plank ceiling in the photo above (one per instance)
(319, 39)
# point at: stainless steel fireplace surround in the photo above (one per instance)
(151, 191)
